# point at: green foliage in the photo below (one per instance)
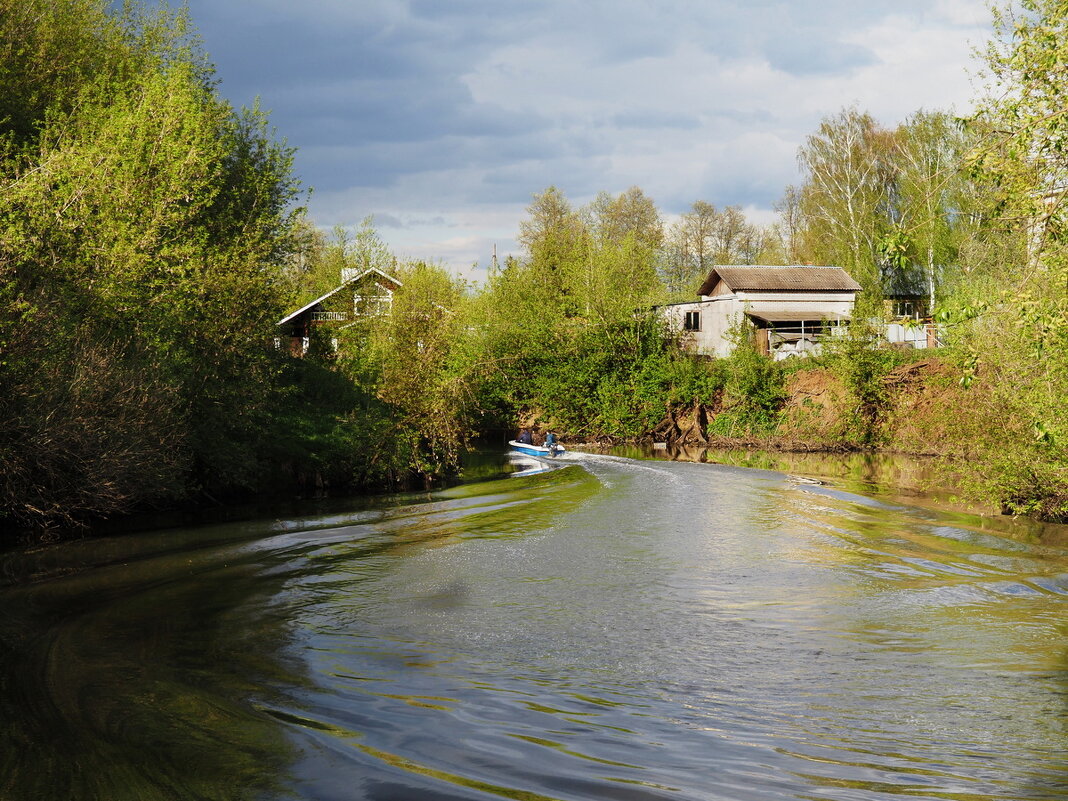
(693, 379)
(144, 226)
(606, 383)
(893, 207)
(569, 332)
(932, 205)
(569, 335)
(755, 387)
(408, 364)
(149, 241)
(1007, 321)
(50, 52)
(862, 361)
(1023, 155)
(846, 192)
(631, 214)
(320, 261)
(894, 249)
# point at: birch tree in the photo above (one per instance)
(847, 192)
(928, 152)
(689, 249)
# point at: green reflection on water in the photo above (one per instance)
(859, 471)
(130, 680)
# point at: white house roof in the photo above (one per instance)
(354, 279)
(780, 279)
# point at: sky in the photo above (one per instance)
(442, 118)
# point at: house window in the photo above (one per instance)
(692, 321)
(904, 308)
(378, 301)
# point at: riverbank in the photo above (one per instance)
(918, 416)
(924, 416)
(920, 410)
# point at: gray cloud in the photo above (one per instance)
(813, 53)
(427, 111)
(515, 183)
(394, 221)
(655, 119)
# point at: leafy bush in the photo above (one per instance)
(755, 388)
(861, 360)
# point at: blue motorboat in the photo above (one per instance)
(535, 450)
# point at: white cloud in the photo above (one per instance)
(448, 116)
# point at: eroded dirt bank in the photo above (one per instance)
(924, 412)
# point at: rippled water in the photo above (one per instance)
(612, 629)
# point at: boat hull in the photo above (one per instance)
(534, 450)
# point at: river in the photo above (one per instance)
(613, 628)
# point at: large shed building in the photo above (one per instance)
(792, 308)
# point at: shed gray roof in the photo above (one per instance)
(780, 279)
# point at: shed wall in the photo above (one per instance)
(720, 312)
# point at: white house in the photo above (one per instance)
(791, 308)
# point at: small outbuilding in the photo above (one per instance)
(792, 308)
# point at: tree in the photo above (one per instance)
(553, 235)
(1024, 120)
(412, 348)
(846, 195)
(928, 153)
(790, 228)
(49, 52)
(705, 237)
(1021, 162)
(632, 213)
(345, 250)
(689, 249)
(146, 228)
(730, 236)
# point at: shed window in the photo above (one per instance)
(692, 321)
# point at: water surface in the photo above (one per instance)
(612, 629)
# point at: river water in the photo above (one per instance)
(610, 629)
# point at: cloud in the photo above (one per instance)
(652, 119)
(443, 118)
(811, 53)
(393, 221)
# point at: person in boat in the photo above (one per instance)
(550, 443)
(524, 437)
